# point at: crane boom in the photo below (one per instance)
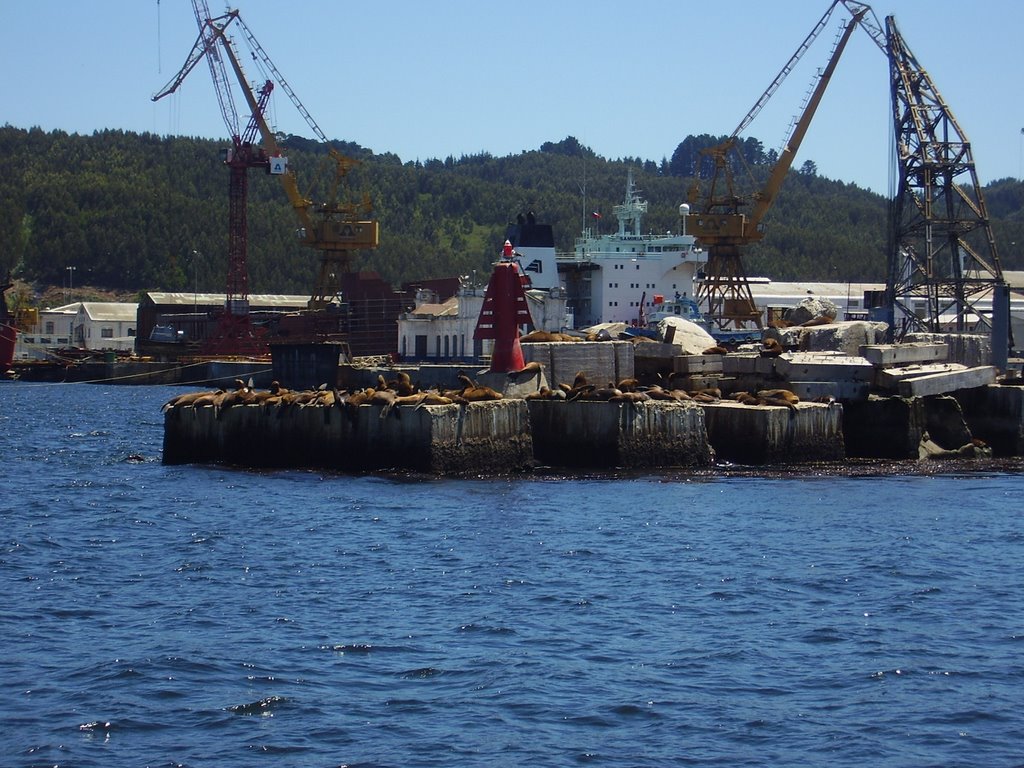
(720, 226)
(333, 228)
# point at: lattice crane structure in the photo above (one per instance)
(333, 227)
(943, 257)
(718, 219)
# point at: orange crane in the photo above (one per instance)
(717, 220)
(334, 228)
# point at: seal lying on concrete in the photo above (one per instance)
(472, 392)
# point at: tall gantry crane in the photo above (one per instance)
(942, 256)
(335, 228)
(235, 334)
(717, 220)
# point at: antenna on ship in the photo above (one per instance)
(583, 190)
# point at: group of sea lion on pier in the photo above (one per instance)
(632, 391)
(402, 391)
(386, 393)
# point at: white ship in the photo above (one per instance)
(613, 278)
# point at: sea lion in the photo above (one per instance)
(241, 395)
(745, 398)
(715, 350)
(781, 394)
(539, 337)
(713, 392)
(771, 348)
(629, 397)
(779, 402)
(207, 399)
(402, 384)
(478, 394)
(600, 394)
(532, 368)
(275, 390)
(187, 399)
(660, 393)
(628, 385)
(432, 398)
(703, 397)
(544, 393)
(819, 320)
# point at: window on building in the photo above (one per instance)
(49, 326)
(106, 333)
(131, 332)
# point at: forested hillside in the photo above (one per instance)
(134, 212)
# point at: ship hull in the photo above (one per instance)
(8, 337)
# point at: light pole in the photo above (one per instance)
(195, 277)
(71, 275)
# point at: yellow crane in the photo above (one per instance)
(334, 228)
(716, 219)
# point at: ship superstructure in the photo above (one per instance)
(614, 278)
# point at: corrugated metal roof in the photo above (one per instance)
(110, 311)
(268, 300)
(780, 289)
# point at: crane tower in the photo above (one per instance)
(942, 256)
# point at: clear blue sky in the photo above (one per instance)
(453, 77)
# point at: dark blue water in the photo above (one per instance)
(159, 616)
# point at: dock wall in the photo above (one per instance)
(995, 414)
(488, 437)
(775, 434)
(613, 434)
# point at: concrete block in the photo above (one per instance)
(942, 383)
(995, 414)
(597, 360)
(815, 366)
(697, 364)
(968, 349)
(889, 378)
(888, 355)
(541, 353)
(655, 350)
(884, 427)
(739, 363)
(840, 390)
(945, 422)
(585, 434)
(846, 336)
(746, 434)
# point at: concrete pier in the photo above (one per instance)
(515, 434)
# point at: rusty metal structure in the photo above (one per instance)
(943, 257)
(333, 226)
